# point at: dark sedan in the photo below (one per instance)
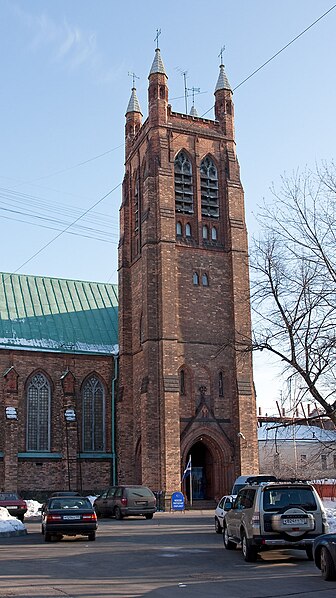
(324, 551)
(16, 506)
(68, 516)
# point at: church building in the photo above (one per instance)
(186, 386)
(102, 384)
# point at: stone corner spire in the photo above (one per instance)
(133, 104)
(222, 81)
(157, 66)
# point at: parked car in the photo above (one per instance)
(220, 511)
(68, 516)
(15, 505)
(122, 501)
(324, 550)
(60, 493)
(270, 515)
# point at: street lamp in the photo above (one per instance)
(70, 416)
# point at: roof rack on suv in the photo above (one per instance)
(261, 479)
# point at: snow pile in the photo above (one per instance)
(34, 509)
(330, 509)
(9, 523)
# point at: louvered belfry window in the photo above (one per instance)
(184, 200)
(209, 188)
(38, 413)
(93, 415)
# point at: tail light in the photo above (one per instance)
(90, 517)
(51, 518)
(325, 524)
(255, 521)
(124, 502)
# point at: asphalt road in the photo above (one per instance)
(172, 556)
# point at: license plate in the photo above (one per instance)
(13, 507)
(72, 517)
(141, 502)
(295, 521)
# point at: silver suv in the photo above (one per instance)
(273, 515)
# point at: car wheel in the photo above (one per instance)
(118, 514)
(218, 527)
(47, 537)
(328, 568)
(92, 536)
(309, 553)
(229, 545)
(250, 553)
(149, 515)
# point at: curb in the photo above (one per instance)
(17, 532)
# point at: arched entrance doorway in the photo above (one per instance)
(201, 472)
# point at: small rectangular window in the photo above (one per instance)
(324, 464)
(303, 459)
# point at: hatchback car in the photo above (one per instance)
(68, 516)
(324, 550)
(122, 501)
(220, 511)
(274, 515)
(16, 506)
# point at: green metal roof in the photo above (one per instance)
(51, 314)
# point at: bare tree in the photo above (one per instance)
(293, 271)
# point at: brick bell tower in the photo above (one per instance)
(185, 385)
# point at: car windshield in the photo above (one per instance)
(70, 503)
(139, 492)
(8, 496)
(277, 498)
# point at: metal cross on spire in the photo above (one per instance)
(220, 55)
(134, 76)
(156, 38)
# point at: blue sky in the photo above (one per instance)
(65, 89)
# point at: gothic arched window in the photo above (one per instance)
(209, 188)
(205, 280)
(195, 279)
(179, 229)
(205, 232)
(184, 202)
(188, 230)
(93, 401)
(214, 233)
(38, 413)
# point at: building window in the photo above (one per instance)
(183, 184)
(93, 415)
(303, 459)
(324, 462)
(214, 233)
(136, 204)
(178, 229)
(195, 279)
(188, 230)
(209, 189)
(220, 384)
(182, 382)
(205, 280)
(38, 413)
(205, 231)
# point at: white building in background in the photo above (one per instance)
(297, 450)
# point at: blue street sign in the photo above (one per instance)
(177, 501)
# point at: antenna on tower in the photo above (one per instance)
(184, 74)
(134, 76)
(193, 91)
(220, 55)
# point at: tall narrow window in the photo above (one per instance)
(182, 382)
(183, 184)
(205, 280)
(195, 279)
(188, 230)
(209, 188)
(38, 413)
(178, 229)
(205, 232)
(220, 384)
(136, 204)
(214, 233)
(93, 415)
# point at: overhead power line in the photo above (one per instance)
(109, 151)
